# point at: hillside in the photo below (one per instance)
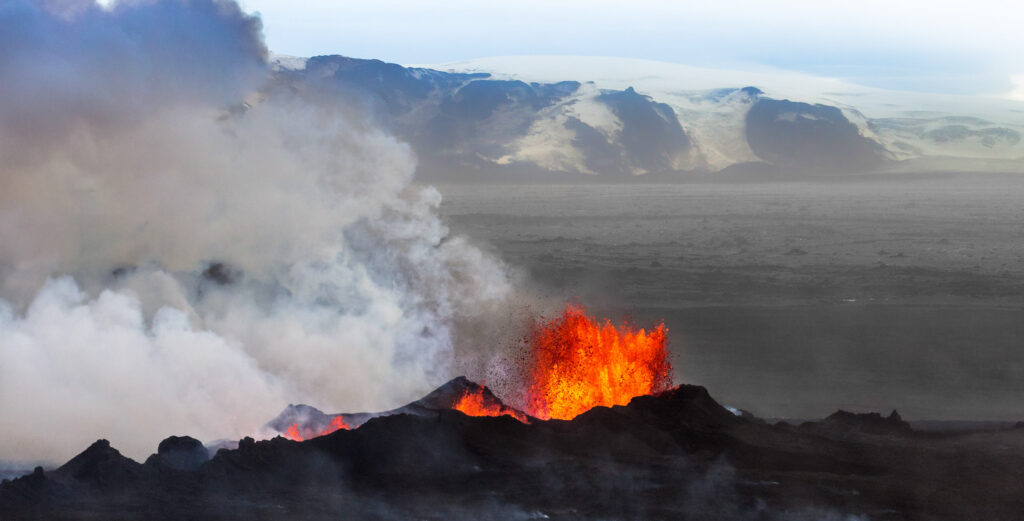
(489, 121)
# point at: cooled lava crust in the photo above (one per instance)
(677, 455)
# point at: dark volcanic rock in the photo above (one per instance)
(677, 455)
(601, 154)
(392, 88)
(651, 135)
(812, 139)
(29, 490)
(446, 396)
(478, 100)
(179, 453)
(686, 405)
(311, 421)
(101, 466)
(484, 116)
(867, 423)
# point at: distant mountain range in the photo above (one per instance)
(474, 124)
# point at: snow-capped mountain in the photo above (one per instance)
(561, 118)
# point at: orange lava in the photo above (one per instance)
(473, 403)
(293, 433)
(337, 423)
(579, 362)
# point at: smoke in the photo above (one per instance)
(715, 495)
(186, 251)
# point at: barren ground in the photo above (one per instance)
(792, 299)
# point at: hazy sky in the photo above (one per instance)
(961, 47)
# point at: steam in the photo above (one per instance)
(184, 252)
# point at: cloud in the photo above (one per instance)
(940, 47)
(1017, 93)
(187, 250)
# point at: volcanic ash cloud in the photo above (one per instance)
(184, 253)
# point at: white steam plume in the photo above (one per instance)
(169, 266)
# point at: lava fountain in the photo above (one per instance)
(578, 362)
(573, 363)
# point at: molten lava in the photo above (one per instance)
(293, 432)
(474, 403)
(579, 362)
(337, 423)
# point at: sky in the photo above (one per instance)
(934, 46)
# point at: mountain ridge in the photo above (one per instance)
(485, 126)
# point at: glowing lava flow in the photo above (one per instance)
(337, 423)
(579, 363)
(473, 403)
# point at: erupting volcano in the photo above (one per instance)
(575, 362)
(666, 439)
(579, 362)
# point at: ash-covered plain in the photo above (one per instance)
(793, 299)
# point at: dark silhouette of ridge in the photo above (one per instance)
(870, 423)
(676, 455)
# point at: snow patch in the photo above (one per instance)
(279, 62)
